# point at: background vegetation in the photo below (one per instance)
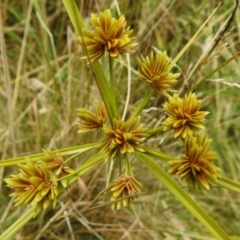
(43, 82)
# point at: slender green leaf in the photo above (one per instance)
(85, 166)
(182, 196)
(214, 71)
(74, 15)
(35, 157)
(18, 224)
(142, 104)
(154, 131)
(105, 91)
(159, 155)
(228, 183)
(193, 38)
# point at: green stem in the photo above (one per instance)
(228, 183)
(111, 170)
(182, 196)
(72, 157)
(155, 130)
(106, 93)
(215, 70)
(159, 155)
(36, 157)
(29, 214)
(112, 84)
(83, 168)
(119, 160)
(128, 169)
(192, 38)
(74, 15)
(18, 224)
(111, 72)
(142, 104)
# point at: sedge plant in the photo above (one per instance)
(42, 177)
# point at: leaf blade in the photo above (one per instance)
(183, 197)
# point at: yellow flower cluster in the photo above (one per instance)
(155, 70)
(123, 191)
(123, 137)
(91, 121)
(36, 184)
(184, 115)
(110, 36)
(196, 165)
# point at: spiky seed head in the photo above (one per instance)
(110, 36)
(184, 116)
(92, 121)
(55, 163)
(155, 70)
(123, 137)
(34, 185)
(196, 165)
(122, 190)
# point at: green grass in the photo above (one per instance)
(43, 82)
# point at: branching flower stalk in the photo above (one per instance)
(106, 92)
(39, 182)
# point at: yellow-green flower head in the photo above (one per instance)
(123, 190)
(124, 137)
(155, 70)
(184, 116)
(34, 186)
(92, 121)
(110, 36)
(55, 163)
(196, 165)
